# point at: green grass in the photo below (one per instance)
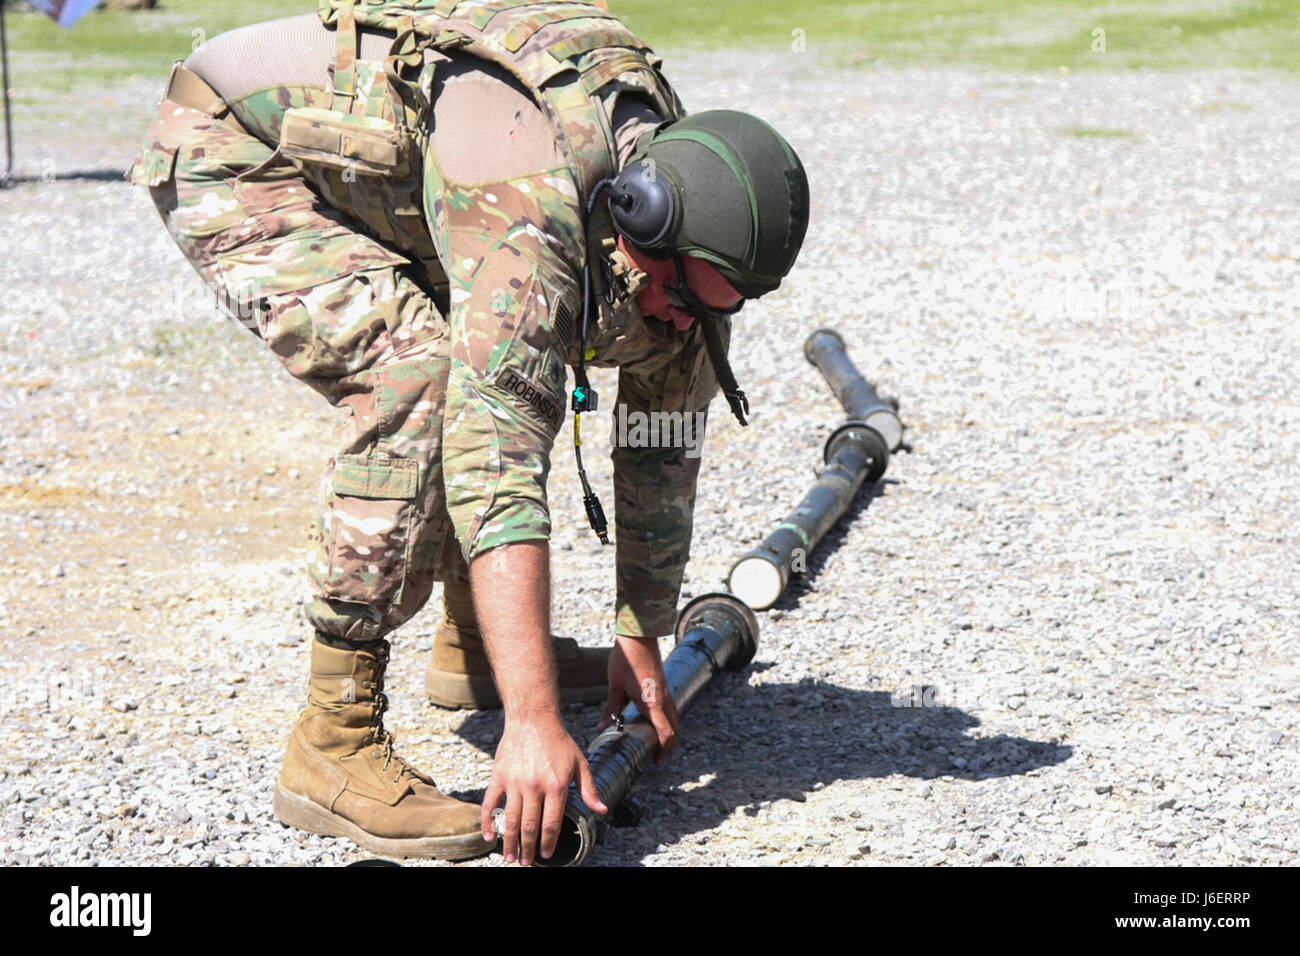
(1097, 132)
(999, 34)
(106, 46)
(1224, 107)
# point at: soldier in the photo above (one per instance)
(405, 200)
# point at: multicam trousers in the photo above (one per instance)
(347, 315)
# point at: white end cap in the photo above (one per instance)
(756, 581)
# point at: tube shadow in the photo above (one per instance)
(802, 583)
(775, 742)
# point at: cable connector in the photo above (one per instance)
(739, 405)
(585, 399)
(596, 515)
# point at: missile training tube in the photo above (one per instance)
(825, 349)
(857, 451)
(715, 632)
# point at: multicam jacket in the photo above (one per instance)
(507, 252)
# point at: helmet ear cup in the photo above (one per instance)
(642, 204)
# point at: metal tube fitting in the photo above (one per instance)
(825, 349)
(715, 632)
(857, 451)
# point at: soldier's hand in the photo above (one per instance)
(636, 673)
(535, 762)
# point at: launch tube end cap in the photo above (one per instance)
(756, 581)
(734, 612)
(580, 832)
(811, 342)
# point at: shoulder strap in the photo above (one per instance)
(345, 62)
(189, 89)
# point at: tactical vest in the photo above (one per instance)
(567, 54)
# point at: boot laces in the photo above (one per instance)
(385, 739)
(379, 734)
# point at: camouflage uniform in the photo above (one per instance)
(441, 312)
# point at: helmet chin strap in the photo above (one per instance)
(584, 397)
(681, 296)
(722, 370)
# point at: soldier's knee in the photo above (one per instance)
(343, 624)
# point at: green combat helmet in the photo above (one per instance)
(721, 185)
(724, 187)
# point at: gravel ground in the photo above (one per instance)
(1082, 288)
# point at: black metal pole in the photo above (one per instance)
(7, 179)
(857, 451)
(825, 349)
(715, 632)
(854, 454)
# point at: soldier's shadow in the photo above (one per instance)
(753, 744)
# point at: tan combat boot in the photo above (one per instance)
(341, 778)
(460, 675)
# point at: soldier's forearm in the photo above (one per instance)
(512, 596)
